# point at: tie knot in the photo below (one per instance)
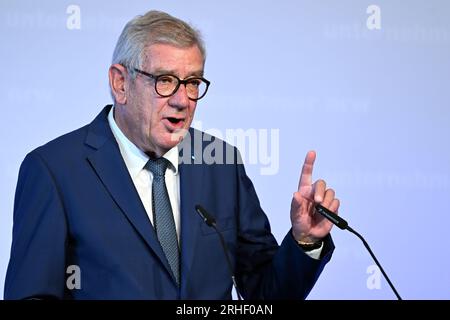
(158, 166)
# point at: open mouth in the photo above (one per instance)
(174, 120)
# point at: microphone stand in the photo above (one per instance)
(227, 256)
(342, 224)
(375, 259)
(211, 222)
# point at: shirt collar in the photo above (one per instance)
(135, 159)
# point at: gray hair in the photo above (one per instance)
(154, 27)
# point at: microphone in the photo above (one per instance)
(338, 221)
(211, 222)
(342, 224)
(209, 219)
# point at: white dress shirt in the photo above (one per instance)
(135, 161)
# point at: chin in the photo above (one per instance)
(177, 136)
(168, 144)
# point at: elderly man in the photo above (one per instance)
(108, 211)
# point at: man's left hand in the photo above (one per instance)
(308, 226)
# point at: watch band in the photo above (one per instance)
(306, 246)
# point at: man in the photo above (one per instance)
(108, 211)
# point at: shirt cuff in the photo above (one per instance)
(315, 254)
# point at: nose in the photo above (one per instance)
(180, 98)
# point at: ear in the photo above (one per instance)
(117, 81)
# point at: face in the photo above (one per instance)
(154, 123)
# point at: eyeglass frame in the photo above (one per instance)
(180, 82)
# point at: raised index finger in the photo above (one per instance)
(307, 169)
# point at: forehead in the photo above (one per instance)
(175, 60)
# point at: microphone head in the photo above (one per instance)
(333, 217)
(209, 219)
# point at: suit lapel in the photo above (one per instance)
(191, 194)
(111, 170)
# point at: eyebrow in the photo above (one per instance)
(161, 71)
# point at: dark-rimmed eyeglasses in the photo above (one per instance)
(167, 84)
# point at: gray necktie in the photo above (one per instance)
(163, 220)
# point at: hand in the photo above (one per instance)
(308, 225)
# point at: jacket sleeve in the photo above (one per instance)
(37, 264)
(264, 269)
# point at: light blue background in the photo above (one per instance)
(374, 104)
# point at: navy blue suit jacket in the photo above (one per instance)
(76, 204)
